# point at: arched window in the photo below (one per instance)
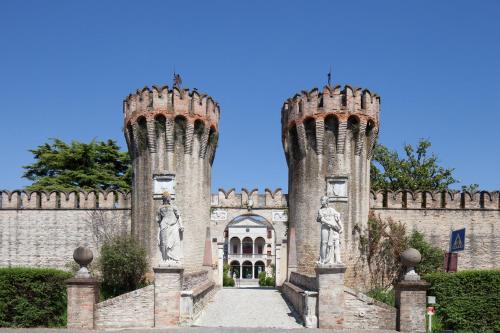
(235, 244)
(247, 245)
(259, 245)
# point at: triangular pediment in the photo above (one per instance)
(248, 221)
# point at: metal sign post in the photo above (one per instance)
(457, 244)
(430, 312)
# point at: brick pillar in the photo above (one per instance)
(168, 286)
(82, 297)
(330, 295)
(410, 303)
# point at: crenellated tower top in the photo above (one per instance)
(170, 103)
(344, 103)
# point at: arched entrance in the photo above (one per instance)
(246, 270)
(235, 269)
(250, 248)
(259, 267)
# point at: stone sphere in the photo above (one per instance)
(83, 256)
(411, 257)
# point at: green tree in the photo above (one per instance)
(417, 170)
(95, 165)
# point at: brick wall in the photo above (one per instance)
(34, 233)
(48, 237)
(482, 237)
(364, 312)
(133, 309)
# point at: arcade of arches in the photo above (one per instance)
(250, 247)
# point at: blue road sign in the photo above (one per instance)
(457, 240)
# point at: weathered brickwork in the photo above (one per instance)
(482, 239)
(167, 296)
(133, 309)
(327, 134)
(359, 312)
(48, 237)
(39, 235)
(363, 312)
(172, 132)
(411, 302)
(82, 298)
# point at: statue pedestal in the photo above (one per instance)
(410, 303)
(330, 279)
(168, 286)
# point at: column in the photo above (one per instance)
(241, 246)
(330, 295)
(410, 303)
(277, 264)
(82, 297)
(168, 285)
(241, 269)
(220, 262)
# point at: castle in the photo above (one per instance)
(328, 138)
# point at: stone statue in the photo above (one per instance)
(169, 233)
(331, 228)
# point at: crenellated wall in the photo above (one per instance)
(231, 199)
(436, 214)
(23, 199)
(42, 229)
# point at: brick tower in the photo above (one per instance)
(328, 138)
(172, 137)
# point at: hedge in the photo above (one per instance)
(32, 297)
(468, 300)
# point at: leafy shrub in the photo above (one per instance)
(123, 265)
(432, 257)
(382, 295)
(270, 281)
(32, 297)
(381, 245)
(227, 281)
(262, 279)
(467, 300)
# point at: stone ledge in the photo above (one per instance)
(415, 285)
(330, 269)
(295, 288)
(367, 299)
(82, 281)
(203, 288)
(168, 269)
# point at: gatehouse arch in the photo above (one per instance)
(270, 207)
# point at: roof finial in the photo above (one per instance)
(329, 75)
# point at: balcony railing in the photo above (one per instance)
(250, 256)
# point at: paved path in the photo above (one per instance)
(248, 307)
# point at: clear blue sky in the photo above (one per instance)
(65, 67)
